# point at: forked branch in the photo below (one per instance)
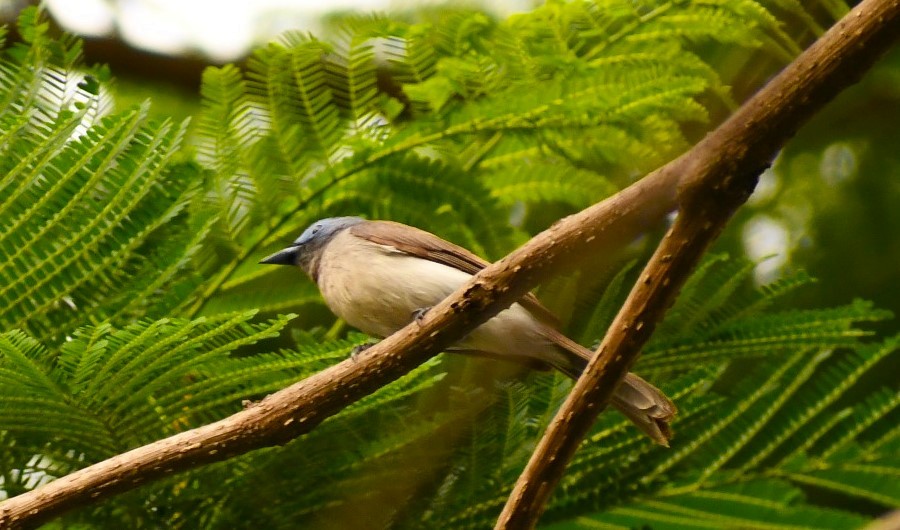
(719, 174)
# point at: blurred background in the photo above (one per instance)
(174, 40)
(218, 30)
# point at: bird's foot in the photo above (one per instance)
(359, 348)
(420, 313)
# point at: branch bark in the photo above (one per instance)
(720, 172)
(298, 409)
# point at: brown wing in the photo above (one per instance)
(428, 246)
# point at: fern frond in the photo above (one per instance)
(548, 182)
(862, 416)
(716, 293)
(620, 454)
(728, 428)
(48, 396)
(291, 80)
(270, 291)
(606, 308)
(165, 270)
(767, 420)
(413, 384)
(765, 335)
(829, 385)
(32, 154)
(708, 289)
(19, 86)
(352, 76)
(765, 296)
(24, 363)
(770, 504)
(228, 129)
(189, 347)
(876, 480)
(79, 215)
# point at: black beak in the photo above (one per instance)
(287, 256)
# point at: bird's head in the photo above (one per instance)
(305, 250)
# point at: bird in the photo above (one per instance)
(378, 276)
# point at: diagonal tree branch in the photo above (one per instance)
(719, 174)
(603, 227)
(298, 409)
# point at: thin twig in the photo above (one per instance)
(719, 174)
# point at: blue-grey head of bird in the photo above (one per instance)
(304, 252)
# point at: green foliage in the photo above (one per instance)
(92, 206)
(129, 288)
(106, 390)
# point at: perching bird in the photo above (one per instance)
(378, 275)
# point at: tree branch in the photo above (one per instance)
(719, 174)
(298, 409)
(602, 228)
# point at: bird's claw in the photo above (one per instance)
(419, 314)
(359, 348)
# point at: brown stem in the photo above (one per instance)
(719, 174)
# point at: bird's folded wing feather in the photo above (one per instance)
(425, 245)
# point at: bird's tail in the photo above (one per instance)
(646, 406)
(642, 403)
